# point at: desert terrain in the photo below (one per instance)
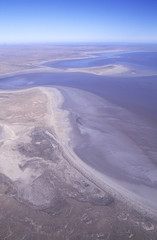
(46, 190)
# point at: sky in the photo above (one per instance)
(57, 21)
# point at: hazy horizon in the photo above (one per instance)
(81, 43)
(78, 119)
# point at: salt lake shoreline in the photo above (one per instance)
(100, 180)
(65, 114)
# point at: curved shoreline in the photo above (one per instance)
(78, 148)
(102, 181)
(61, 115)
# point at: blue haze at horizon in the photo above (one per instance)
(78, 21)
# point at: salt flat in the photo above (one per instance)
(74, 164)
(46, 180)
(116, 143)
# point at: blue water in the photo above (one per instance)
(77, 63)
(142, 59)
(137, 94)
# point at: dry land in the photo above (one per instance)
(43, 192)
(46, 191)
(28, 58)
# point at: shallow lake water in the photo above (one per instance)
(141, 59)
(135, 95)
